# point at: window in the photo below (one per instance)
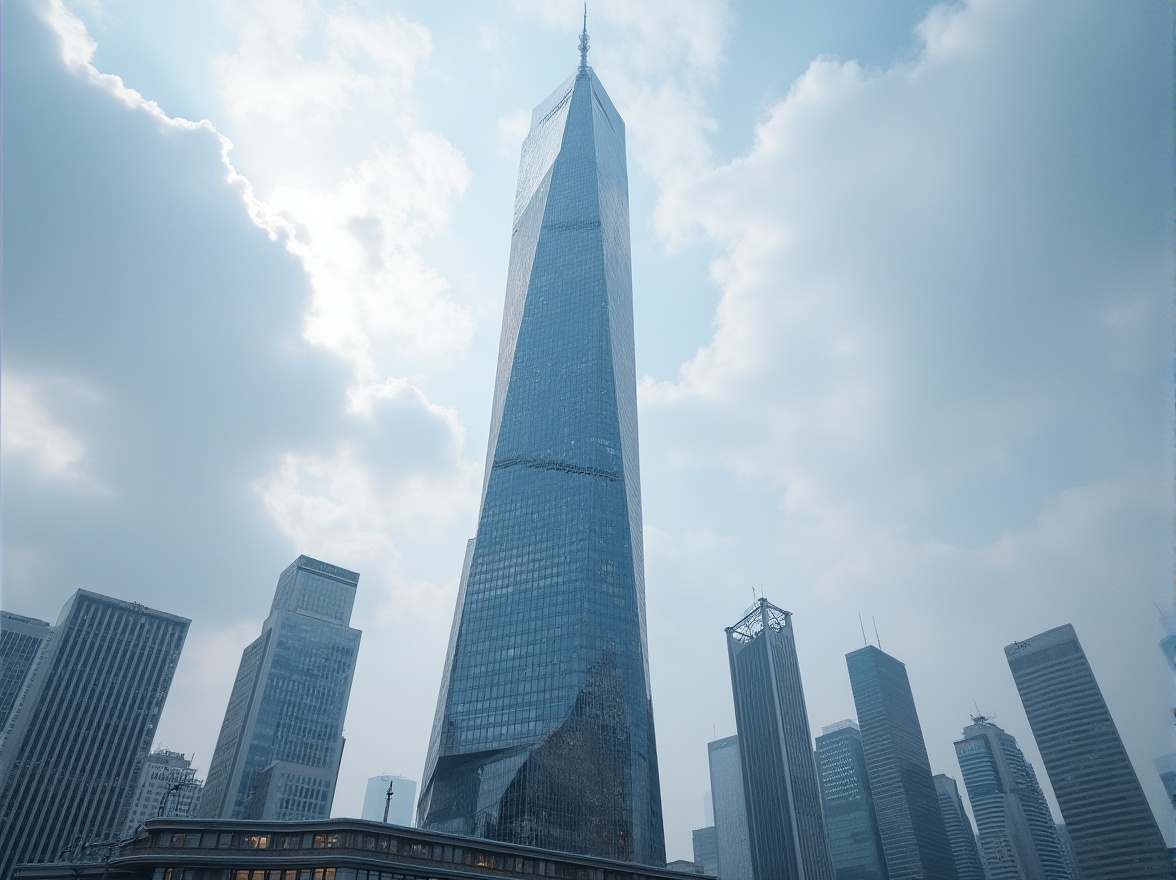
(256, 841)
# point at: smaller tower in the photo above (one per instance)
(959, 829)
(854, 842)
(278, 753)
(732, 848)
(785, 825)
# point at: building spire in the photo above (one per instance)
(584, 42)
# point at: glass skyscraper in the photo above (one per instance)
(544, 726)
(1105, 810)
(914, 838)
(784, 820)
(854, 842)
(20, 644)
(732, 846)
(1016, 832)
(72, 748)
(959, 829)
(278, 753)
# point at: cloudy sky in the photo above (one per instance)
(902, 278)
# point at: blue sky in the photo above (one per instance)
(902, 282)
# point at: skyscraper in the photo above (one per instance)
(1110, 823)
(21, 639)
(706, 849)
(277, 756)
(854, 842)
(400, 808)
(544, 726)
(784, 820)
(1016, 831)
(730, 809)
(959, 829)
(914, 838)
(167, 787)
(71, 750)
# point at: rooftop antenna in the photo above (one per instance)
(863, 626)
(876, 638)
(584, 43)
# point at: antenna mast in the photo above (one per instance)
(584, 43)
(863, 626)
(876, 638)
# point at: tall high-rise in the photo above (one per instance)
(71, 750)
(544, 726)
(784, 820)
(278, 753)
(706, 849)
(854, 842)
(1016, 831)
(167, 787)
(959, 829)
(730, 809)
(1110, 823)
(21, 639)
(914, 838)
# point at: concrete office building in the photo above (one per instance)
(75, 741)
(167, 787)
(1114, 833)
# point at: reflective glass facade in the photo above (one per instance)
(20, 643)
(1106, 812)
(277, 756)
(732, 846)
(544, 728)
(785, 824)
(849, 809)
(914, 838)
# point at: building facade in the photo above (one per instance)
(706, 849)
(914, 838)
(167, 787)
(544, 727)
(1068, 854)
(854, 842)
(21, 639)
(73, 746)
(278, 752)
(1016, 832)
(1114, 833)
(400, 808)
(733, 847)
(960, 834)
(785, 825)
(334, 849)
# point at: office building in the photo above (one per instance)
(1110, 822)
(1068, 854)
(1016, 832)
(960, 834)
(854, 842)
(914, 838)
(278, 753)
(167, 787)
(544, 728)
(732, 845)
(21, 639)
(329, 849)
(401, 806)
(706, 849)
(74, 742)
(784, 821)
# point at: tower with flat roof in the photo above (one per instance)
(1111, 825)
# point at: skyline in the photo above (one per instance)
(969, 469)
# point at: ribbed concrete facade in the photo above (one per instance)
(1114, 833)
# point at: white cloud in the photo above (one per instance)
(28, 427)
